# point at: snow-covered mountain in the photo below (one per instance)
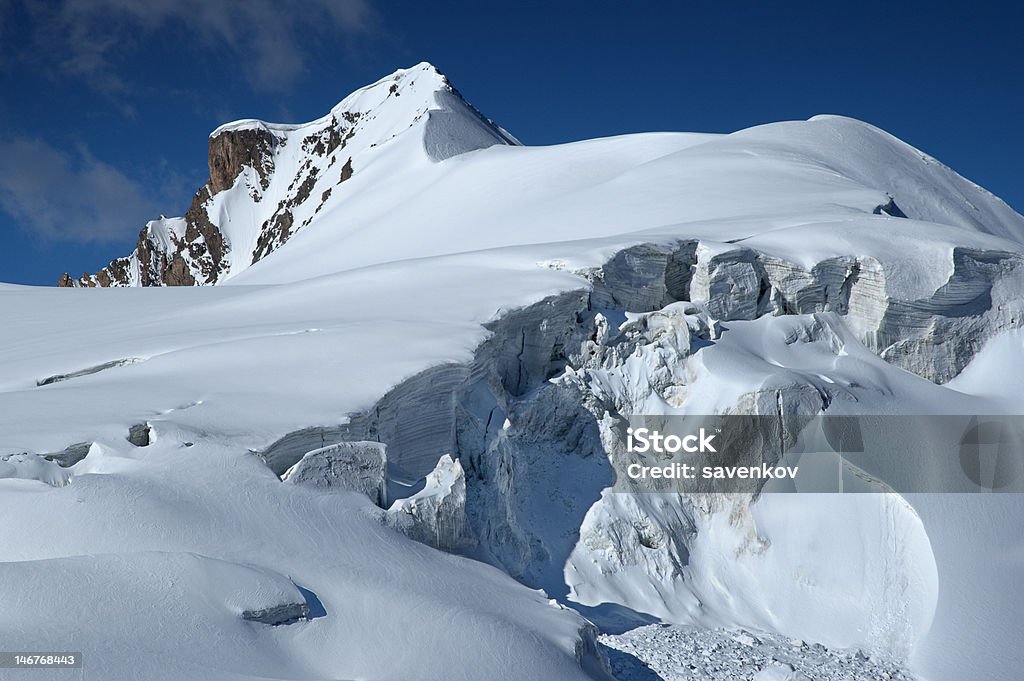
(268, 181)
(423, 332)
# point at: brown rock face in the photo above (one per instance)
(325, 141)
(275, 232)
(177, 273)
(196, 252)
(212, 242)
(151, 261)
(117, 273)
(232, 150)
(277, 229)
(201, 247)
(346, 171)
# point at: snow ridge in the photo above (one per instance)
(269, 180)
(457, 337)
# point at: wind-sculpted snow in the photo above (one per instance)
(529, 414)
(543, 503)
(669, 555)
(177, 562)
(413, 311)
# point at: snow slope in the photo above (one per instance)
(459, 294)
(147, 561)
(268, 181)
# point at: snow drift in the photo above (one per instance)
(413, 311)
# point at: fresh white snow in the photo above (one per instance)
(146, 558)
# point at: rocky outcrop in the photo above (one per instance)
(233, 150)
(731, 655)
(191, 250)
(184, 251)
(285, 613)
(140, 435)
(325, 143)
(267, 182)
(202, 246)
(70, 455)
(117, 273)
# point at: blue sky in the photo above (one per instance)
(105, 105)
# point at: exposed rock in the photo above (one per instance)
(190, 250)
(286, 613)
(891, 209)
(88, 371)
(117, 273)
(275, 232)
(203, 242)
(139, 435)
(177, 272)
(70, 455)
(169, 252)
(780, 671)
(346, 171)
(281, 226)
(247, 163)
(331, 137)
(234, 149)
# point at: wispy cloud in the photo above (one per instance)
(267, 40)
(63, 194)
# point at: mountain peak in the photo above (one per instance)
(269, 180)
(420, 81)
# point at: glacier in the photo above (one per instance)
(396, 329)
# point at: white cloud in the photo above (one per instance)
(267, 39)
(69, 194)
